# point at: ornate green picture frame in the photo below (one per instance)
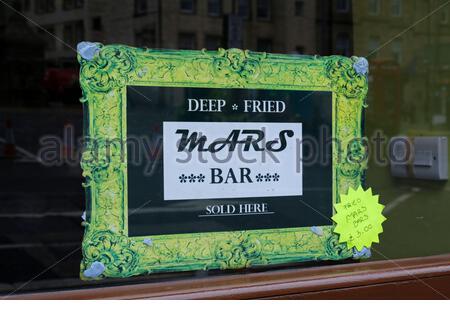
(106, 71)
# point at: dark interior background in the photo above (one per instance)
(41, 200)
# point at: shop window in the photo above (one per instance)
(40, 225)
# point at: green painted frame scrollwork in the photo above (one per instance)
(105, 73)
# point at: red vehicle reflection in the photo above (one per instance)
(61, 84)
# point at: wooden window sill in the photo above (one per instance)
(415, 278)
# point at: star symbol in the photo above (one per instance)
(235, 106)
(358, 218)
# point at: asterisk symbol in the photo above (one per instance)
(267, 177)
(192, 178)
(259, 177)
(201, 178)
(182, 178)
(276, 177)
(235, 106)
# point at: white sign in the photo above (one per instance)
(214, 160)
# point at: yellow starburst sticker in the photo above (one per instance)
(358, 218)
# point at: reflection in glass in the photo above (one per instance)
(41, 116)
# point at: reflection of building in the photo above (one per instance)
(416, 58)
(414, 54)
(69, 21)
(263, 25)
(322, 27)
(334, 27)
(260, 25)
(188, 24)
(21, 61)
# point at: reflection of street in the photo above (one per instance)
(19, 153)
(412, 218)
(30, 124)
(40, 205)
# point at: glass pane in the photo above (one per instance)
(406, 42)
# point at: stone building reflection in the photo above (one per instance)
(412, 67)
(409, 63)
(297, 26)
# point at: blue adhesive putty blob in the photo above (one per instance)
(95, 270)
(87, 50)
(361, 66)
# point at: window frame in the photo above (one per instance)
(386, 279)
